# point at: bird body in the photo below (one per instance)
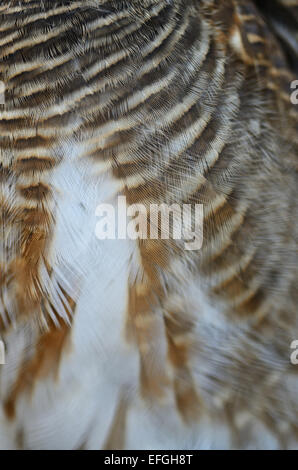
(139, 343)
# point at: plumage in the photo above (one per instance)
(140, 343)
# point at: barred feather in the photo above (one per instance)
(139, 343)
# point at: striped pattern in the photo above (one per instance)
(183, 102)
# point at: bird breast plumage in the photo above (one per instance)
(139, 343)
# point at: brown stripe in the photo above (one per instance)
(46, 361)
